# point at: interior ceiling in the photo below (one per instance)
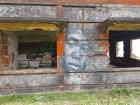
(121, 24)
(29, 32)
(60, 23)
(16, 26)
(34, 32)
(124, 26)
(32, 35)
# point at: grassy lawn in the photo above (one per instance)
(113, 97)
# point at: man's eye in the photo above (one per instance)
(85, 49)
(71, 44)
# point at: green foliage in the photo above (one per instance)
(114, 97)
(122, 91)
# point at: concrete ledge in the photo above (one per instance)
(65, 88)
(28, 71)
(54, 71)
(12, 81)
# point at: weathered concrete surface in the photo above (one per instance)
(45, 82)
(74, 14)
(4, 57)
(103, 78)
(29, 1)
(91, 2)
(91, 39)
(44, 89)
(68, 12)
(96, 14)
(92, 63)
(29, 80)
(90, 31)
(124, 12)
(13, 51)
(75, 26)
(72, 2)
(87, 51)
(100, 14)
(27, 11)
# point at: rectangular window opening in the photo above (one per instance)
(135, 49)
(32, 49)
(36, 49)
(124, 48)
(119, 49)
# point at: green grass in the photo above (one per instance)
(113, 97)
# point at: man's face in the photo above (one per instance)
(75, 52)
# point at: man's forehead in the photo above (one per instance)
(75, 35)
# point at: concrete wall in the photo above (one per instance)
(4, 56)
(72, 2)
(85, 60)
(13, 50)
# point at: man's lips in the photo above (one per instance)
(74, 64)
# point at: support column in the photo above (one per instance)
(59, 8)
(60, 50)
(4, 57)
(0, 51)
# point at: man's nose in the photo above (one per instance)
(77, 51)
(76, 57)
